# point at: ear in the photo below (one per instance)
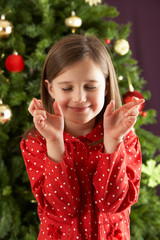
(49, 88)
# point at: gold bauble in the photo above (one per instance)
(5, 27)
(5, 113)
(73, 21)
(93, 2)
(121, 46)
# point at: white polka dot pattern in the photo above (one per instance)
(89, 194)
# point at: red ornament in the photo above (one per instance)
(107, 41)
(144, 114)
(14, 63)
(127, 97)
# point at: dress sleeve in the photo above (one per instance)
(54, 185)
(117, 177)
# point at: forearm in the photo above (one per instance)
(117, 177)
(55, 150)
(42, 170)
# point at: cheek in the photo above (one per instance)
(98, 102)
(62, 100)
(100, 98)
(101, 102)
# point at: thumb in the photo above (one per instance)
(57, 109)
(109, 109)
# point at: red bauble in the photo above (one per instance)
(127, 97)
(144, 114)
(14, 63)
(107, 41)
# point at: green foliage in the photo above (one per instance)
(149, 143)
(37, 25)
(145, 220)
(153, 173)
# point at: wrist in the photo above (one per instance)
(56, 142)
(111, 145)
(117, 140)
(55, 150)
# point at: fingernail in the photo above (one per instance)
(136, 98)
(142, 100)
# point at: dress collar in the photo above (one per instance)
(94, 136)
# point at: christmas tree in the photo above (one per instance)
(29, 30)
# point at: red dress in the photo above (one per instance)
(89, 194)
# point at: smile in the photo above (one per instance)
(79, 109)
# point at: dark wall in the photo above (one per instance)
(145, 45)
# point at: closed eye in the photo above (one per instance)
(67, 89)
(90, 87)
(86, 87)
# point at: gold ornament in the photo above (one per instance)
(5, 27)
(93, 2)
(5, 113)
(121, 46)
(73, 21)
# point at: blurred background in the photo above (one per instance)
(144, 40)
(28, 28)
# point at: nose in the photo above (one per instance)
(79, 96)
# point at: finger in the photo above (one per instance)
(40, 112)
(38, 104)
(40, 101)
(130, 121)
(134, 103)
(57, 109)
(135, 99)
(31, 108)
(132, 112)
(39, 121)
(109, 109)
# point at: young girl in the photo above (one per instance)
(83, 158)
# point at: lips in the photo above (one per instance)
(79, 109)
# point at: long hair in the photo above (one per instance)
(70, 50)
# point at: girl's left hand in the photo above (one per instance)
(117, 123)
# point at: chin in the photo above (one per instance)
(82, 121)
(79, 122)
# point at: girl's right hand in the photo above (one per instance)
(50, 126)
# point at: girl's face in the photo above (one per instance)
(80, 92)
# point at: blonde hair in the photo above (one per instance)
(70, 50)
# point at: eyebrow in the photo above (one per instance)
(69, 82)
